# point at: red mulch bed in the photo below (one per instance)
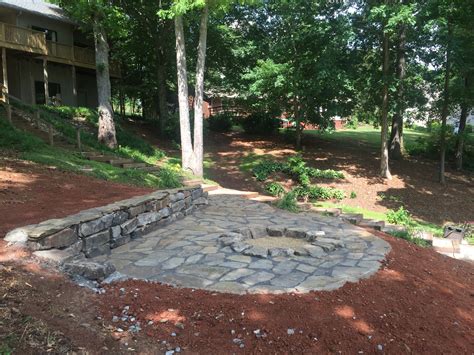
(420, 302)
(31, 193)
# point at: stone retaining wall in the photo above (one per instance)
(95, 231)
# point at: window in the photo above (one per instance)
(53, 88)
(50, 34)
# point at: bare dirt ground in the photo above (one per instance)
(420, 302)
(414, 184)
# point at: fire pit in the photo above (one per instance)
(280, 241)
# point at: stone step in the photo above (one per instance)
(101, 158)
(134, 165)
(263, 198)
(150, 168)
(332, 211)
(192, 182)
(119, 162)
(209, 187)
(224, 191)
(370, 223)
(393, 228)
(354, 218)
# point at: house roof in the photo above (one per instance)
(38, 7)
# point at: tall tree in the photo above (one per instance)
(191, 149)
(384, 167)
(98, 16)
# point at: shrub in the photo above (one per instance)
(260, 123)
(288, 202)
(401, 216)
(313, 192)
(352, 123)
(221, 122)
(275, 189)
(263, 170)
(296, 167)
(353, 194)
(169, 178)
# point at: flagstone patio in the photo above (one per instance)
(190, 252)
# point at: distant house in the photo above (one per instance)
(45, 58)
(454, 119)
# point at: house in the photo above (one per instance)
(45, 57)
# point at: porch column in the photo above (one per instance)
(5, 75)
(8, 108)
(32, 82)
(46, 83)
(74, 86)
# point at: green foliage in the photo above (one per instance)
(412, 239)
(275, 189)
(261, 123)
(429, 146)
(80, 114)
(352, 123)
(296, 167)
(353, 194)
(12, 138)
(169, 178)
(288, 202)
(313, 192)
(263, 170)
(400, 216)
(221, 122)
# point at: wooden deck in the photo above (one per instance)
(31, 41)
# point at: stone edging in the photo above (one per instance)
(96, 231)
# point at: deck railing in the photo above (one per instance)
(32, 41)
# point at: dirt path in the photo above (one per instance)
(414, 184)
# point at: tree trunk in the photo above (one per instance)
(396, 135)
(199, 95)
(187, 154)
(384, 168)
(162, 104)
(444, 112)
(462, 127)
(297, 125)
(106, 134)
(122, 101)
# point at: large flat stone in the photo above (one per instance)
(97, 225)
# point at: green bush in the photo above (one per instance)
(288, 202)
(400, 216)
(169, 178)
(313, 192)
(353, 194)
(263, 170)
(352, 123)
(260, 123)
(221, 122)
(275, 189)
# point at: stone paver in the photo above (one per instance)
(190, 252)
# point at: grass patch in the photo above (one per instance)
(36, 150)
(416, 224)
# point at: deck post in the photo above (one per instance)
(32, 82)
(50, 134)
(5, 75)
(6, 98)
(74, 86)
(78, 136)
(46, 82)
